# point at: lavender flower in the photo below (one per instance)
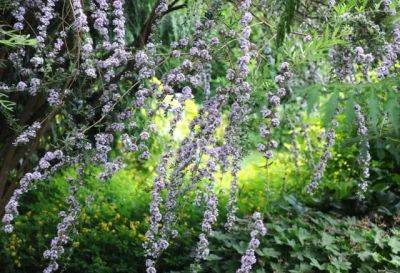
(100, 8)
(232, 206)
(249, 258)
(326, 155)
(28, 134)
(364, 156)
(365, 60)
(270, 113)
(239, 109)
(391, 52)
(54, 98)
(40, 172)
(18, 12)
(69, 218)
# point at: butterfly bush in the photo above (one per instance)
(326, 155)
(365, 60)
(156, 241)
(270, 113)
(69, 219)
(390, 54)
(101, 22)
(249, 258)
(19, 10)
(232, 204)
(28, 134)
(50, 162)
(241, 89)
(111, 83)
(364, 156)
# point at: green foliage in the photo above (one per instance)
(15, 40)
(111, 230)
(312, 241)
(286, 20)
(5, 104)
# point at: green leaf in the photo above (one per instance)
(395, 260)
(394, 243)
(373, 111)
(379, 238)
(213, 257)
(377, 257)
(303, 235)
(364, 255)
(270, 252)
(313, 96)
(340, 263)
(302, 268)
(240, 248)
(350, 115)
(329, 109)
(392, 109)
(315, 263)
(286, 20)
(327, 240)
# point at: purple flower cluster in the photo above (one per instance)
(270, 112)
(51, 160)
(109, 168)
(101, 22)
(162, 7)
(385, 4)
(391, 53)
(28, 134)
(364, 157)
(144, 63)
(232, 206)
(103, 147)
(57, 46)
(342, 63)
(69, 218)
(81, 25)
(154, 245)
(249, 258)
(119, 54)
(54, 97)
(175, 82)
(211, 213)
(80, 22)
(47, 14)
(365, 60)
(241, 91)
(326, 155)
(18, 12)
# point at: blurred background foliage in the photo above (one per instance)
(331, 231)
